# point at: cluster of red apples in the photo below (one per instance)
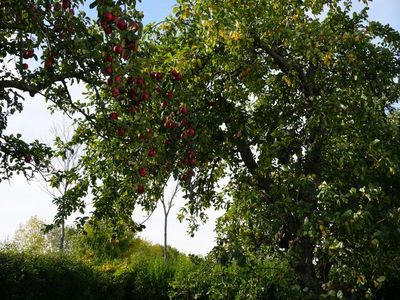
(136, 92)
(59, 28)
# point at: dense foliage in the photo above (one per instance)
(281, 112)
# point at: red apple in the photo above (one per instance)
(139, 81)
(25, 66)
(109, 58)
(48, 62)
(121, 24)
(117, 79)
(140, 189)
(133, 46)
(134, 26)
(115, 92)
(113, 116)
(191, 132)
(167, 142)
(108, 16)
(118, 49)
(27, 54)
(108, 70)
(169, 94)
(177, 76)
(183, 110)
(183, 122)
(132, 94)
(28, 158)
(65, 4)
(192, 153)
(164, 104)
(145, 96)
(107, 29)
(152, 152)
(143, 172)
(121, 131)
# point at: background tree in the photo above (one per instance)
(31, 238)
(65, 160)
(167, 205)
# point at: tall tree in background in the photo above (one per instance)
(167, 205)
(64, 160)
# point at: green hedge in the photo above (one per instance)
(26, 276)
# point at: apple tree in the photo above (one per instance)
(282, 112)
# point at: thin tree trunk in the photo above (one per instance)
(62, 236)
(165, 238)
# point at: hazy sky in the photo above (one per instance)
(20, 200)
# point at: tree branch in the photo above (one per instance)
(34, 89)
(287, 65)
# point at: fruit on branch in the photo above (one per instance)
(142, 172)
(156, 75)
(145, 96)
(139, 81)
(121, 131)
(109, 58)
(176, 75)
(140, 189)
(183, 110)
(191, 131)
(113, 116)
(108, 16)
(151, 153)
(121, 24)
(66, 4)
(115, 92)
(133, 46)
(118, 49)
(108, 70)
(132, 94)
(183, 122)
(117, 79)
(28, 54)
(134, 26)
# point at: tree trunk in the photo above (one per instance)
(305, 268)
(165, 238)
(62, 238)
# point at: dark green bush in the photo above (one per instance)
(24, 276)
(142, 276)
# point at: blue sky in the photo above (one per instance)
(19, 200)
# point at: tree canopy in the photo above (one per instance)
(281, 112)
